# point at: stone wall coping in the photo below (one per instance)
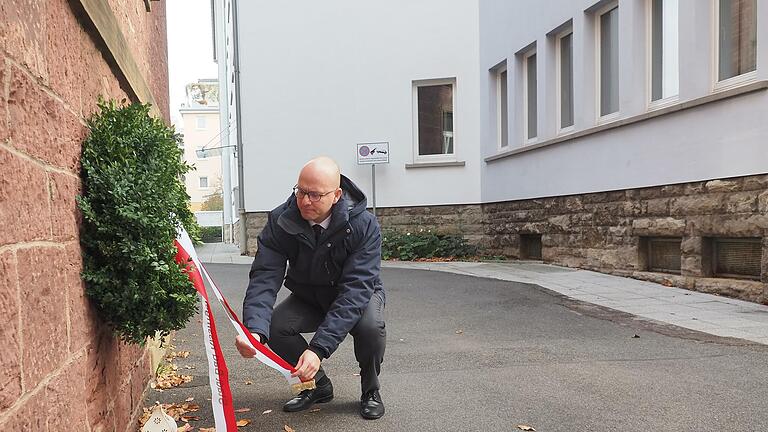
(668, 109)
(435, 164)
(105, 22)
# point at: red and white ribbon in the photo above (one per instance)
(221, 395)
(218, 374)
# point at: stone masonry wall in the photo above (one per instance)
(60, 368)
(604, 231)
(462, 219)
(255, 222)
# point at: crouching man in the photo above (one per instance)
(332, 245)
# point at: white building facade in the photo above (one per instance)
(200, 117)
(623, 136)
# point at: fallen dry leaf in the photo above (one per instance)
(189, 399)
(525, 428)
(266, 412)
(186, 428)
(248, 382)
(169, 378)
(213, 429)
(188, 418)
(314, 410)
(459, 331)
(242, 410)
(243, 422)
(287, 428)
(177, 354)
(666, 282)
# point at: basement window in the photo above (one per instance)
(530, 246)
(663, 254)
(737, 257)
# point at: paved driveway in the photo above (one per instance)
(474, 354)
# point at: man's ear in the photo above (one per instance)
(337, 195)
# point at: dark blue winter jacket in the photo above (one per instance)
(338, 274)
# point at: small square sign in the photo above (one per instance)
(372, 153)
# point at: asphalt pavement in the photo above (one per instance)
(469, 353)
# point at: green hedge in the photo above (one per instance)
(211, 234)
(132, 203)
(408, 246)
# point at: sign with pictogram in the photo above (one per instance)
(372, 153)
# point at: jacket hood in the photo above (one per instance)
(355, 198)
(352, 203)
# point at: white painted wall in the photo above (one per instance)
(721, 139)
(194, 139)
(319, 77)
(209, 218)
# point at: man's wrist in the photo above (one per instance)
(259, 337)
(318, 351)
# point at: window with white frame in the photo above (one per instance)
(530, 106)
(607, 25)
(434, 118)
(564, 50)
(201, 122)
(502, 106)
(664, 49)
(736, 38)
(203, 182)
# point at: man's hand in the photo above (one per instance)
(308, 365)
(245, 348)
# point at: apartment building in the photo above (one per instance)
(626, 137)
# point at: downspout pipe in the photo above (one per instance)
(239, 129)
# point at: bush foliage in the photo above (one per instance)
(210, 234)
(132, 203)
(409, 246)
(214, 201)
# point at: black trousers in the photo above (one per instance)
(294, 316)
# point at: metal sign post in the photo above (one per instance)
(373, 153)
(373, 187)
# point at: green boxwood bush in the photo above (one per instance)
(133, 200)
(424, 244)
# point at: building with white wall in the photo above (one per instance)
(226, 56)
(200, 118)
(623, 136)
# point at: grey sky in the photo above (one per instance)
(190, 49)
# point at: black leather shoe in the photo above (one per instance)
(307, 398)
(371, 406)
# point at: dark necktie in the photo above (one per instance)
(318, 232)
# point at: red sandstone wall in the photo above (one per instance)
(60, 369)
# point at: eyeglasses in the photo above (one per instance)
(313, 196)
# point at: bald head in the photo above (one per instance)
(319, 176)
(321, 171)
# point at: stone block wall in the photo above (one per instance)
(466, 220)
(605, 231)
(60, 367)
(255, 222)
